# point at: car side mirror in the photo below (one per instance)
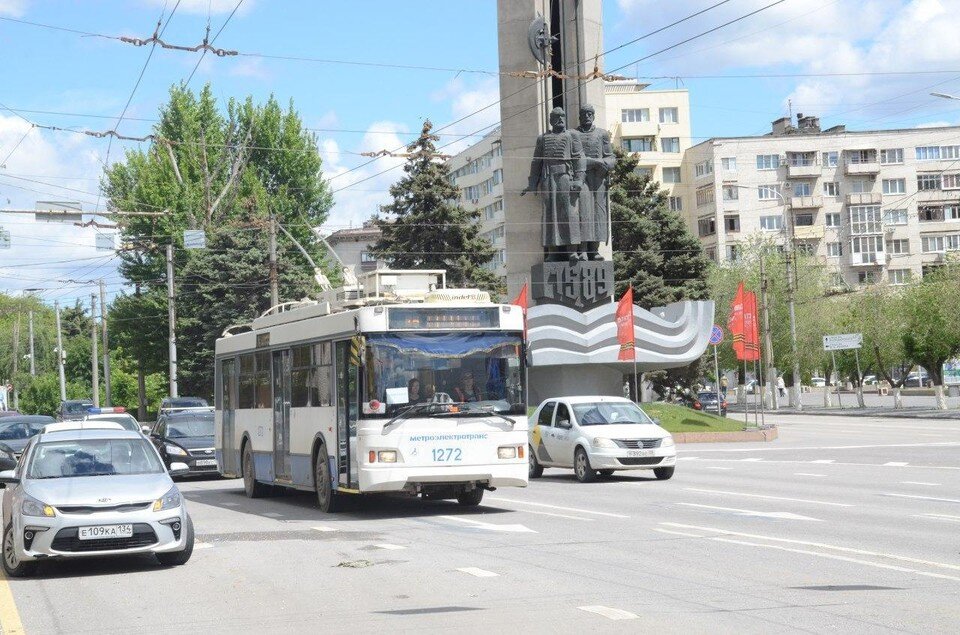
(7, 476)
(178, 469)
(145, 429)
(565, 424)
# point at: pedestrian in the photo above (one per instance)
(781, 386)
(723, 385)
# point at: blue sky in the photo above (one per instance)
(357, 108)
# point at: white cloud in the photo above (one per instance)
(477, 101)
(201, 7)
(250, 68)
(15, 8)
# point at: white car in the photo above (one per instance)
(92, 492)
(605, 434)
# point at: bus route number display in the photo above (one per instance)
(444, 319)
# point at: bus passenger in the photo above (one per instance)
(413, 391)
(466, 390)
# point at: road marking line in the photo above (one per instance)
(926, 498)
(272, 515)
(860, 552)
(824, 461)
(203, 545)
(777, 498)
(389, 547)
(807, 474)
(325, 528)
(920, 483)
(836, 447)
(687, 458)
(753, 460)
(480, 573)
(530, 511)
(716, 467)
(677, 533)
(751, 512)
(895, 464)
(9, 616)
(951, 519)
(798, 462)
(566, 509)
(478, 524)
(609, 613)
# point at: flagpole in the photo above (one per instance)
(746, 400)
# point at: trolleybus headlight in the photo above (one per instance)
(387, 456)
(507, 452)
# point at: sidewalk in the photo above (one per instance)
(912, 412)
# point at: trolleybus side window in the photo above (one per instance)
(311, 376)
(247, 382)
(263, 388)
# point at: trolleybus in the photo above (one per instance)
(399, 385)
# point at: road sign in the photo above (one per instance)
(716, 335)
(842, 342)
(194, 239)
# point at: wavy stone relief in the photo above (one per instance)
(669, 336)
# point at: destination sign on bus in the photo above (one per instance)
(444, 318)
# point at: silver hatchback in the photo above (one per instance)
(92, 492)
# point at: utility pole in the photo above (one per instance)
(274, 289)
(16, 363)
(106, 346)
(795, 389)
(141, 382)
(63, 378)
(95, 376)
(768, 340)
(33, 364)
(172, 317)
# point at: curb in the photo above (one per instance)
(767, 434)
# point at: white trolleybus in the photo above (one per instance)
(396, 384)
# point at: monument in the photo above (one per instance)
(555, 183)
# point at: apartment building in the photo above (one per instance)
(353, 246)
(874, 206)
(653, 123)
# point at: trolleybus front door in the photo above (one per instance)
(347, 405)
(281, 415)
(228, 406)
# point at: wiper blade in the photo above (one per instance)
(485, 412)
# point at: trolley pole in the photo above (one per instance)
(106, 346)
(60, 356)
(33, 363)
(274, 287)
(172, 317)
(95, 371)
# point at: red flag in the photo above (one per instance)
(521, 301)
(735, 323)
(625, 335)
(743, 325)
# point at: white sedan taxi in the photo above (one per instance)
(598, 434)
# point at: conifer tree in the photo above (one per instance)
(425, 227)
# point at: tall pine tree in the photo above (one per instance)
(425, 227)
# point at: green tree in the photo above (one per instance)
(425, 227)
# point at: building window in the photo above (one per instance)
(861, 156)
(806, 248)
(830, 159)
(867, 277)
(637, 144)
(895, 217)
(497, 176)
(705, 195)
(644, 171)
(894, 186)
(731, 193)
(832, 219)
(900, 246)
(865, 219)
(928, 153)
(930, 214)
(928, 182)
(703, 168)
(729, 164)
(951, 212)
(831, 188)
(366, 256)
(676, 203)
(669, 115)
(671, 175)
(771, 223)
(803, 220)
(802, 189)
(635, 115)
(670, 144)
(768, 192)
(950, 152)
(712, 253)
(802, 159)
(940, 244)
(706, 227)
(733, 252)
(951, 181)
(899, 276)
(859, 186)
(768, 161)
(892, 155)
(731, 223)
(834, 250)
(868, 247)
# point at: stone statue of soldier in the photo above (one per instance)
(594, 206)
(557, 173)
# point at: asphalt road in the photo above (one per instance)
(841, 525)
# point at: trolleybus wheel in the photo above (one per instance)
(251, 487)
(328, 500)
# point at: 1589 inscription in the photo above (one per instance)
(581, 285)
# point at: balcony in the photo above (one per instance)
(865, 198)
(858, 168)
(938, 196)
(806, 202)
(808, 232)
(803, 170)
(868, 259)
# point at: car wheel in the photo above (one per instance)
(12, 565)
(177, 558)
(471, 498)
(606, 472)
(328, 500)
(536, 470)
(581, 467)
(663, 473)
(251, 486)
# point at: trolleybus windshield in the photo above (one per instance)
(403, 369)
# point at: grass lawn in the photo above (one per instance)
(680, 419)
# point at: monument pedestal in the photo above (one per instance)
(581, 285)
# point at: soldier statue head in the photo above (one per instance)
(558, 119)
(587, 116)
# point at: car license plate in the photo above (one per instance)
(101, 532)
(206, 462)
(640, 453)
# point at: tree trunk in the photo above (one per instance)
(897, 398)
(941, 400)
(827, 401)
(141, 391)
(860, 402)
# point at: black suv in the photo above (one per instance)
(186, 437)
(74, 409)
